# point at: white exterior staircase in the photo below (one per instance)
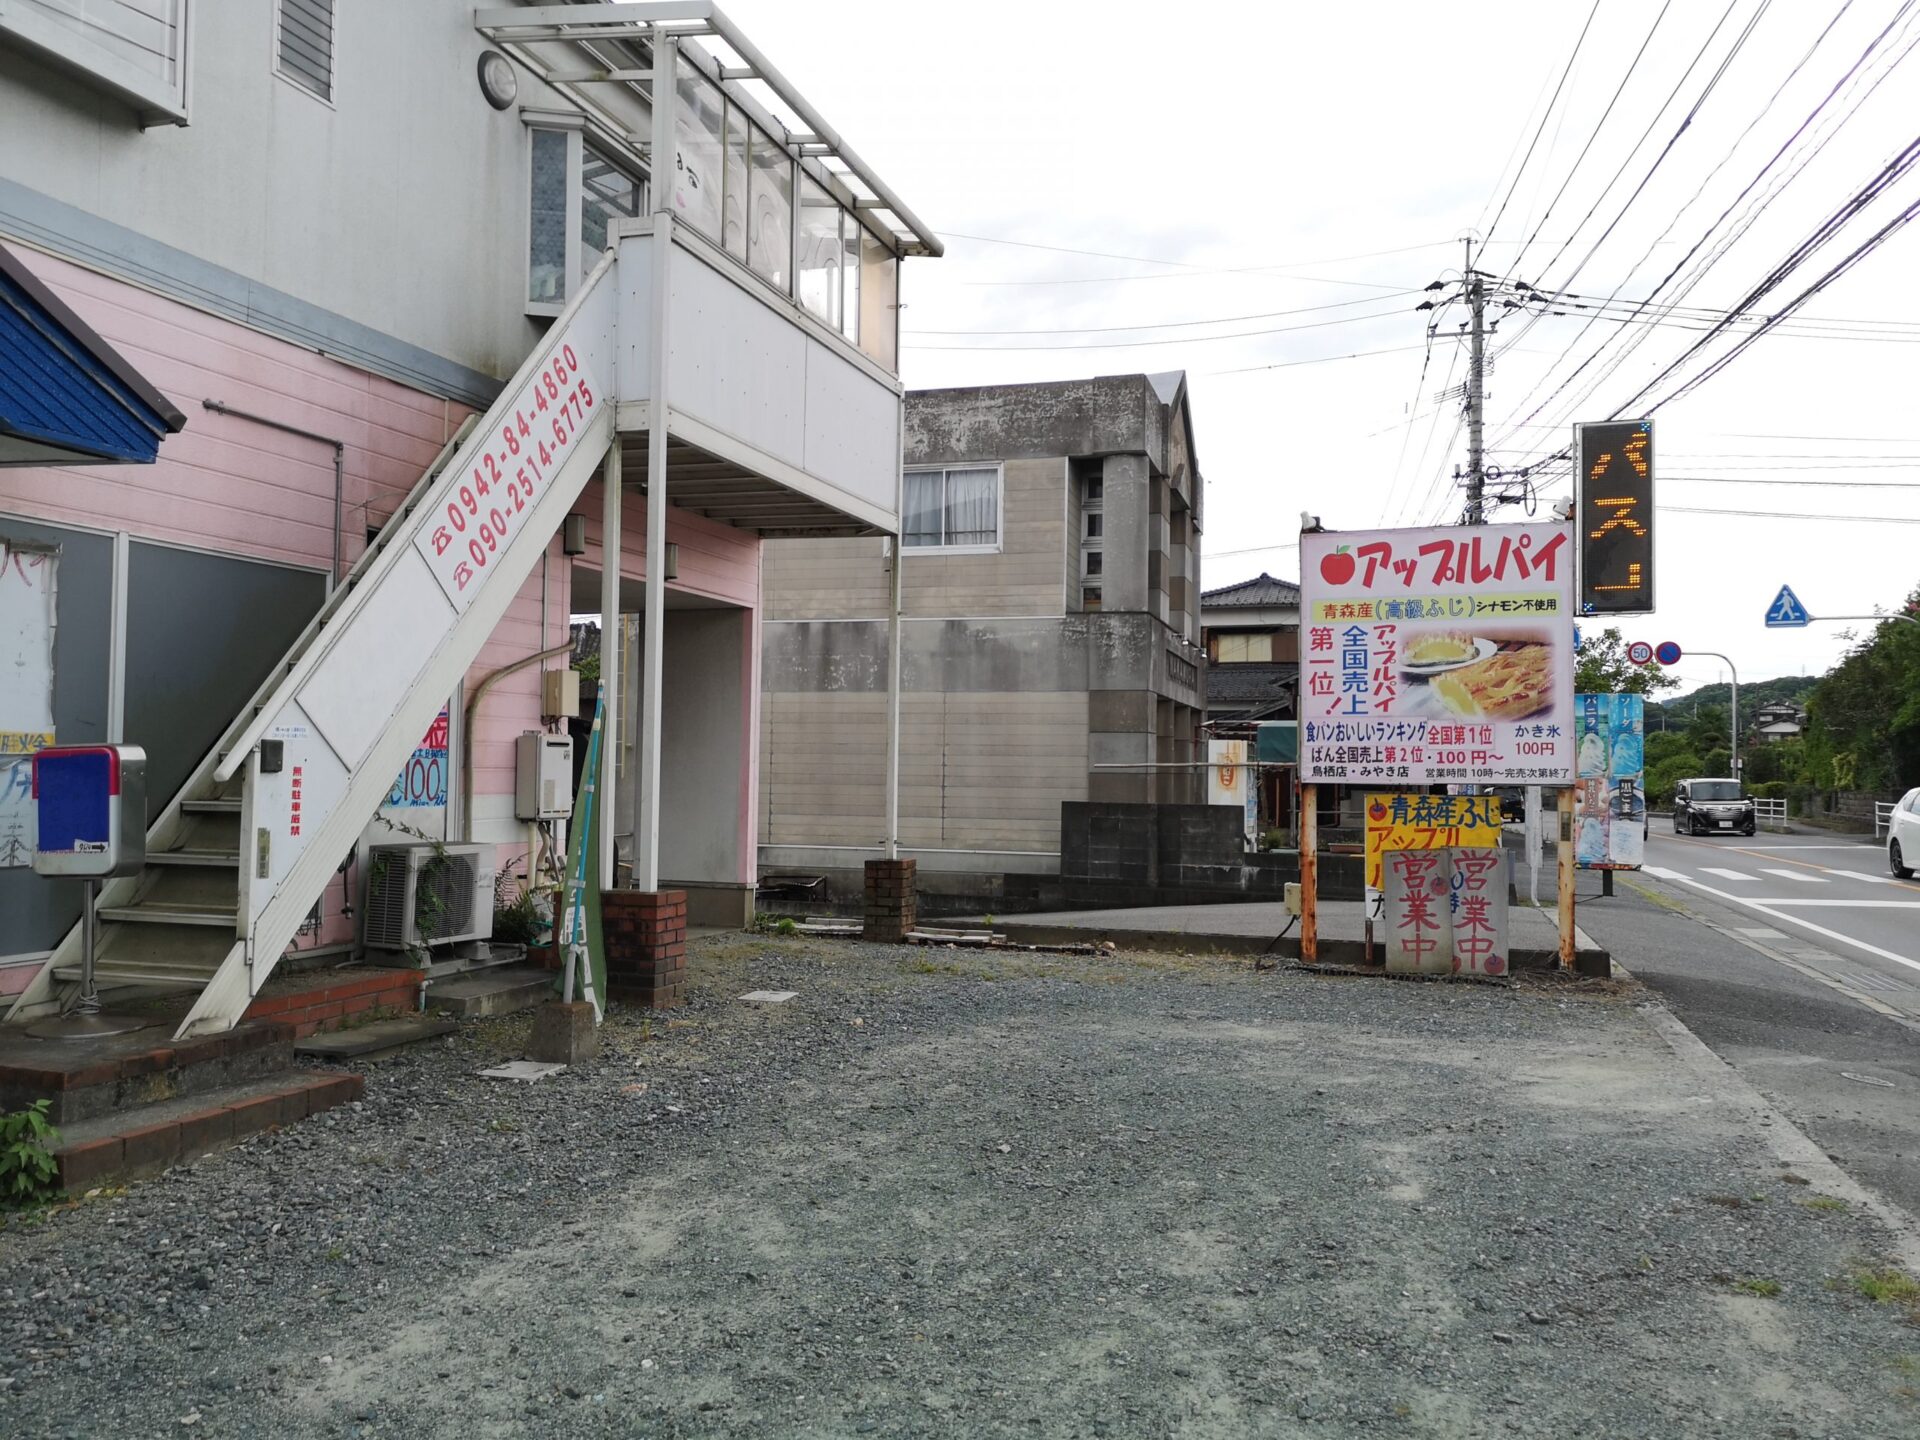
(237, 860)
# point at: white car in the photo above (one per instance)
(1903, 836)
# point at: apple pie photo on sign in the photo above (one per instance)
(1508, 685)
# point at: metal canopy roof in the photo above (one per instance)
(66, 396)
(514, 29)
(719, 489)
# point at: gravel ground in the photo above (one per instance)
(952, 1193)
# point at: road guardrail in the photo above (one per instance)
(1771, 814)
(1882, 818)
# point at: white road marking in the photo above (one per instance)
(1868, 879)
(1807, 847)
(1660, 872)
(1800, 875)
(1772, 914)
(1848, 904)
(1729, 874)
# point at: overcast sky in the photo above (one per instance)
(1325, 161)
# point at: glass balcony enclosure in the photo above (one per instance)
(786, 205)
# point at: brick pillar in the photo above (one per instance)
(892, 909)
(646, 939)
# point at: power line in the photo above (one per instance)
(1544, 117)
(1137, 344)
(1167, 324)
(1747, 219)
(1188, 264)
(1313, 360)
(1579, 159)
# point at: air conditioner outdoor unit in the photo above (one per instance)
(423, 895)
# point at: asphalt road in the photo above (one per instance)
(1797, 959)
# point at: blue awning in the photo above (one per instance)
(66, 396)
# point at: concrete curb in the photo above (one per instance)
(1589, 959)
(1790, 1145)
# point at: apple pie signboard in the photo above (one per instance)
(1437, 656)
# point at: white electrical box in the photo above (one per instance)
(542, 776)
(559, 694)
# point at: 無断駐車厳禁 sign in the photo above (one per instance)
(1437, 655)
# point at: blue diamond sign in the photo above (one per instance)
(1786, 612)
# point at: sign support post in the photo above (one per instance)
(1309, 873)
(1564, 879)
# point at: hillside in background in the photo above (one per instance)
(1787, 689)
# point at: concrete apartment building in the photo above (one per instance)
(1050, 640)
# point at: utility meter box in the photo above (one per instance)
(559, 694)
(90, 805)
(542, 776)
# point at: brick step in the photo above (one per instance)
(317, 1001)
(112, 1074)
(136, 1143)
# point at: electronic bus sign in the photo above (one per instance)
(1613, 480)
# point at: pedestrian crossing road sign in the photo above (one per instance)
(1786, 612)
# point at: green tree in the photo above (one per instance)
(1601, 667)
(1709, 728)
(1863, 718)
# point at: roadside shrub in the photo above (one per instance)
(28, 1172)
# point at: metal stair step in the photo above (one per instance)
(223, 859)
(136, 972)
(224, 806)
(161, 913)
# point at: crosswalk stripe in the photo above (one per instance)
(1800, 875)
(1869, 879)
(1660, 872)
(1729, 874)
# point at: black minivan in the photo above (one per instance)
(1701, 807)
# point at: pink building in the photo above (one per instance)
(327, 256)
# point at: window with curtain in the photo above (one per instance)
(699, 134)
(953, 508)
(819, 265)
(770, 210)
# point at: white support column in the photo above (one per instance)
(646, 819)
(603, 816)
(117, 641)
(893, 642)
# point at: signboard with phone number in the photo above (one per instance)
(485, 513)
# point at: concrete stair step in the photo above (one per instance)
(103, 1075)
(374, 1041)
(499, 991)
(144, 1140)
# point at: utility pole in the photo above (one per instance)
(1476, 395)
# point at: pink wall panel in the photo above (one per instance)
(223, 483)
(232, 486)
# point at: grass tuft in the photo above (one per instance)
(1765, 1289)
(1824, 1202)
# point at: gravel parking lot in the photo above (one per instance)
(959, 1193)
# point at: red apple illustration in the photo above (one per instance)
(1376, 811)
(1337, 568)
